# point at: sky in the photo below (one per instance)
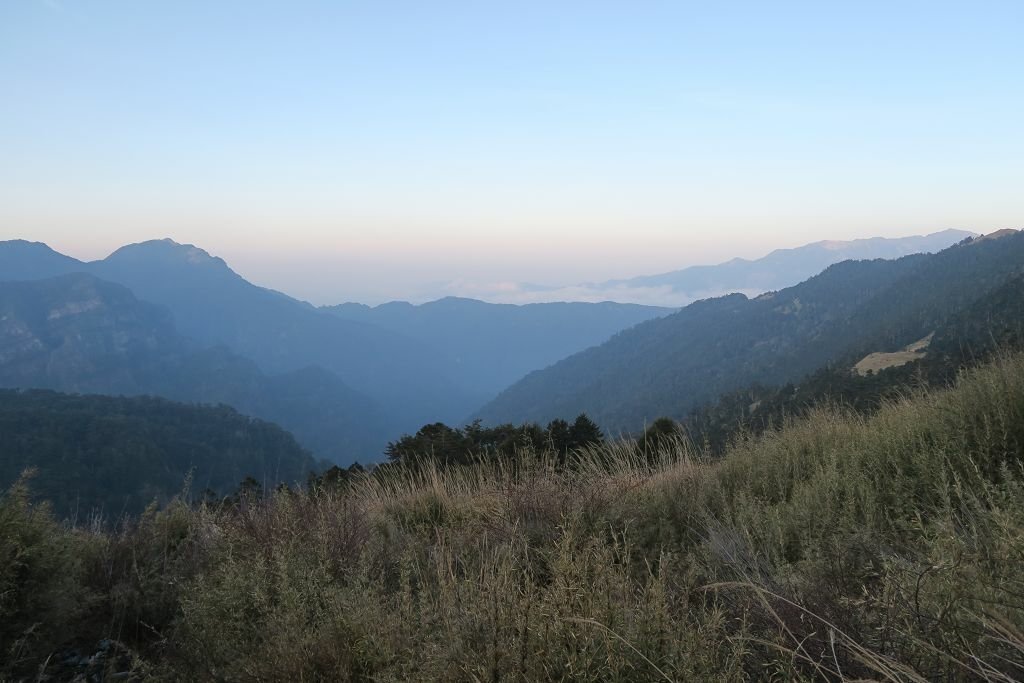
(383, 150)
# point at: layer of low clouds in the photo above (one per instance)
(523, 293)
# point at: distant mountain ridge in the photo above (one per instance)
(787, 267)
(777, 270)
(670, 365)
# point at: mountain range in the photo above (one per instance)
(171, 320)
(669, 366)
(213, 305)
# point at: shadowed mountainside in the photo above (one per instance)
(673, 364)
(76, 333)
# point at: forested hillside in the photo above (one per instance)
(80, 334)
(669, 366)
(101, 454)
(989, 325)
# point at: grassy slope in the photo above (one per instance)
(841, 547)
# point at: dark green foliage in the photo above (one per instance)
(334, 478)
(661, 434)
(584, 432)
(989, 323)
(40, 591)
(452, 446)
(80, 603)
(559, 435)
(117, 455)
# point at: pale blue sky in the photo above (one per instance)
(374, 150)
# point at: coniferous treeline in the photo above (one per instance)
(462, 446)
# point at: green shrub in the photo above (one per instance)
(41, 596)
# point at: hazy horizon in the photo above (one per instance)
(341, 152)
(603, 288)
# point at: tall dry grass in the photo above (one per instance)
(838, 548)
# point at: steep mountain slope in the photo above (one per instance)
(117, 454)
(77, 333)
(497, 344)
(787, 267)
(671, 365)
(993, 322)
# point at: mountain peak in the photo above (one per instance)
(28, 247)
(24, 260)
(166, 252)
(19, 243)
(998, 233)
